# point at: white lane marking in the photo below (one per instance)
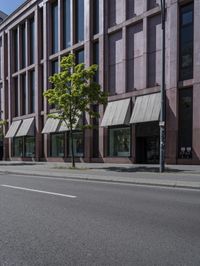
(40, 191)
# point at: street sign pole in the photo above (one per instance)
(162, 123)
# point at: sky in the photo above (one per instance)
(8, 6)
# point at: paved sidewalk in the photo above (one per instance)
(175, 175)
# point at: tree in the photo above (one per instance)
(73, 92)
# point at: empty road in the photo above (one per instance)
(52, 221)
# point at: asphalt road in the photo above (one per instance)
(62, 222)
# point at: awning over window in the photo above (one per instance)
(117, 113)
(26, 128)
(146, 109)
(63, 127)
(51, 126)
(13, 129)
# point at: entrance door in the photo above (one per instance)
(141, 150)
(152, 149)
(147, 150)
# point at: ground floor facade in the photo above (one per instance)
(127, 132)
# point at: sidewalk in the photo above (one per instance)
(175, 176)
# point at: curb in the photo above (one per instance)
(169, 184)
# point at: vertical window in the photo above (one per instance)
(41, 33)
(57, 145)
(96, 60)
(23, 94)
(185, 123)
(130, 10)
(153, 51)
(112, 12)
(54, 70)
(23, 49)
(80, 57)
(151, 4)
(29, 145)
(77, 144)
(42, 85)
(32, 91)
(15, 49)
(55, 27)
(16, 98)
(186, 42)
(119, 142)
(54, 67)
(96, 133)
(32, 41)
(95, 16)
(79, 20)
(67, 23)
(115, 61)
(18, 147)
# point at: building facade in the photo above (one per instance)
(124, 38)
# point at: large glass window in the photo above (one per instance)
(24, 146)
(67, 23)
(23, 50)
(32, 41)
(79, 20)
(57, 145)
(18, 147)
(55, 27)
(185, 123)
(186, 42)
(29, 146)
(119, 142)
(77, 144)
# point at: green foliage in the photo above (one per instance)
(74, 91)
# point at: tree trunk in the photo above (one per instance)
(72, 147)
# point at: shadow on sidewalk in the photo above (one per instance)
(147, 169)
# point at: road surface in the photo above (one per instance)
(50, 221)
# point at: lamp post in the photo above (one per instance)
(162, 123)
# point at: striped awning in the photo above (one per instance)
(51, 126)
(117, 113)
(26, 128)
(13, 129)
(146, 109)
(63, 127)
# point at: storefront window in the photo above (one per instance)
(77, 144)
(17, 147)
(57, 145)
(29, 146)
(119, 142)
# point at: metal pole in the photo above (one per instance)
(163, 96)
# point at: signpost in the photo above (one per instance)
(162, 123)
